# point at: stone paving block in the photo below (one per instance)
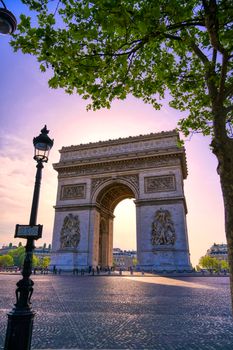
(74, 312)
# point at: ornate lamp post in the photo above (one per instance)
(8, 21)
(20, 319)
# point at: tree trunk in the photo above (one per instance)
(223, 149)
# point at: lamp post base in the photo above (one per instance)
(19, 329)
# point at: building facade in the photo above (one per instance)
(93, 178)
(124, 259)
(218, 251)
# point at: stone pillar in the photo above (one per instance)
(162, 236)
(110, 245)
(93, 238)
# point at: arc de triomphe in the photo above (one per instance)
(93, 178)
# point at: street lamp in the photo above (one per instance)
(8, 21)
(20, 319)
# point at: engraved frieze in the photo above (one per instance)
(153, 184)
(70, 232)
(95, 183)
(99, 168)
(115, 147)
(163, 231)
(77, 191)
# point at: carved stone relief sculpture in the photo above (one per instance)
(160, 183)
(95, 183)
(163, 231)
(132, 179)
(73, 191)
(70, 232)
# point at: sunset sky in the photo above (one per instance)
(27, 104)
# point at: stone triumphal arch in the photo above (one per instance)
(93, 178)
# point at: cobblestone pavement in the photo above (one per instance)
(160, 313)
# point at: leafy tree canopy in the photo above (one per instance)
(45, 262)
(106, 49)
(6, 260)
(35, 260)
(17, 251)
(17, 255)
(224, 265)
(210, 263)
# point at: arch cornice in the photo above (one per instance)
(112, 164)
(139, 152)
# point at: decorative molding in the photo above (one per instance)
(77, 191)
(70, 232)
(162, 201)
(113, 166)
(74, 207)
(119, 149)
(165, 183)
(95, 183)
(163, 231)
(126, 140)
(133, 179)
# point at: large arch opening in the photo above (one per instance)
(117, 218)
(113, 194)
(124, 235)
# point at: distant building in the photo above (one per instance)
(40, 252)
(5, 249)
(124, 258)
(218, 251)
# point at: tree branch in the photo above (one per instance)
(186, 24)
(228, 91)
(211, 23)
(199, 53)
(223, 75)
(214, 56)
(173, 37)
(229, 109)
